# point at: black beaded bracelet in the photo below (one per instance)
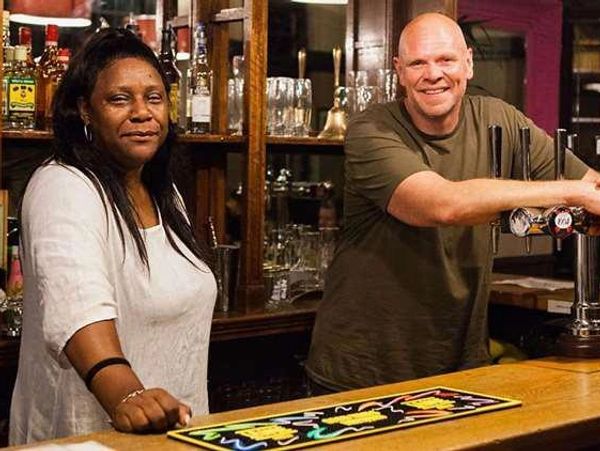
(103, 364)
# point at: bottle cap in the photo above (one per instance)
(64, 55)
(51, 34)
(20, 53)
(25, 36)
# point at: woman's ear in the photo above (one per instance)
(84, 110)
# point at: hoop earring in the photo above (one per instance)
(87, 133)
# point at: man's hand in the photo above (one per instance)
(153, 410)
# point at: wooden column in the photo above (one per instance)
(251, 289)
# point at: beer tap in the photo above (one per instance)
(495, 146)
(560, 142)
(582, 338)
(525, 143)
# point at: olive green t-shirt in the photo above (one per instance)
(404, 302)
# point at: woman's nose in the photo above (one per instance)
(140, 110)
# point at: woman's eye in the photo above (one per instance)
(155, 98)
(118, 99)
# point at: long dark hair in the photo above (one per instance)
(72, 148)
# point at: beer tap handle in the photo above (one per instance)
(560, 144)
(495, 142)
(561, 141)
(525, 143)
(495, 145)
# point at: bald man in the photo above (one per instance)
(406, 294)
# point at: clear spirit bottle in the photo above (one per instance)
(200, 83)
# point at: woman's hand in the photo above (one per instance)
(152, 410)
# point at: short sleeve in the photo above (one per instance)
(542, 154)
(377, 159)
(64, 233)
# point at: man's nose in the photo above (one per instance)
(433, 72)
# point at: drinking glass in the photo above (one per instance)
(302, 106)
(276, 282)
(280, 95)
(11, 311)
(327, 241)
(387, 80)
(367, 96)
(235, 96)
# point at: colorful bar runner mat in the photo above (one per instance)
(343, 421)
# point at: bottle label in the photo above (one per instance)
(174, 102)
(201, 108)
(21, 94)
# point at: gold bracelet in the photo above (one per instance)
(132, 395)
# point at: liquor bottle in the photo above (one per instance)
(21, 92)
(7, 67)
(47, 66)
(25, 40)
(62, 62)
(133, 26)
(5, 28)
(14, 285)
(167, 61)
(200, 84)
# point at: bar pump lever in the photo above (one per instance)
(560, 144)
(495, 146)
(525, 145)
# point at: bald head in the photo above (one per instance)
(426, 25)
(433, 67)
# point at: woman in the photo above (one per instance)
(118, 295)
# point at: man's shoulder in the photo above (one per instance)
(486, 101)
(493, 109)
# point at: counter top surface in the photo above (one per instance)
(560, 410)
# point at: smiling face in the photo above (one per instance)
(128, 112)
(433, 66)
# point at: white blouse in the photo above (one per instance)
(76, 272)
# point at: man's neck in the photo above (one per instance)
(434, 126)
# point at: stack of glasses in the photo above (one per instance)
(296, 259)
(289, 106)
(365, 88)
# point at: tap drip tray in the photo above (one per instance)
(579, 346)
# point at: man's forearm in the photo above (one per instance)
(425, 199)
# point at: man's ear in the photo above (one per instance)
(469, 63)
(398, 67)
(84, 110)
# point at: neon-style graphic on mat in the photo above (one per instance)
(342, 421)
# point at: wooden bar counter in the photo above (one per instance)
(560, 410)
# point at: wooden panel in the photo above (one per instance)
(373, 28)
(251, 289)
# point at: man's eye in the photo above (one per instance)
(155, 98)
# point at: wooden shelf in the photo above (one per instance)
(295, 144)
(28, 134)
(210, 139)
(585, 120)
(229, 15)
(296, 317)
(182, 138)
